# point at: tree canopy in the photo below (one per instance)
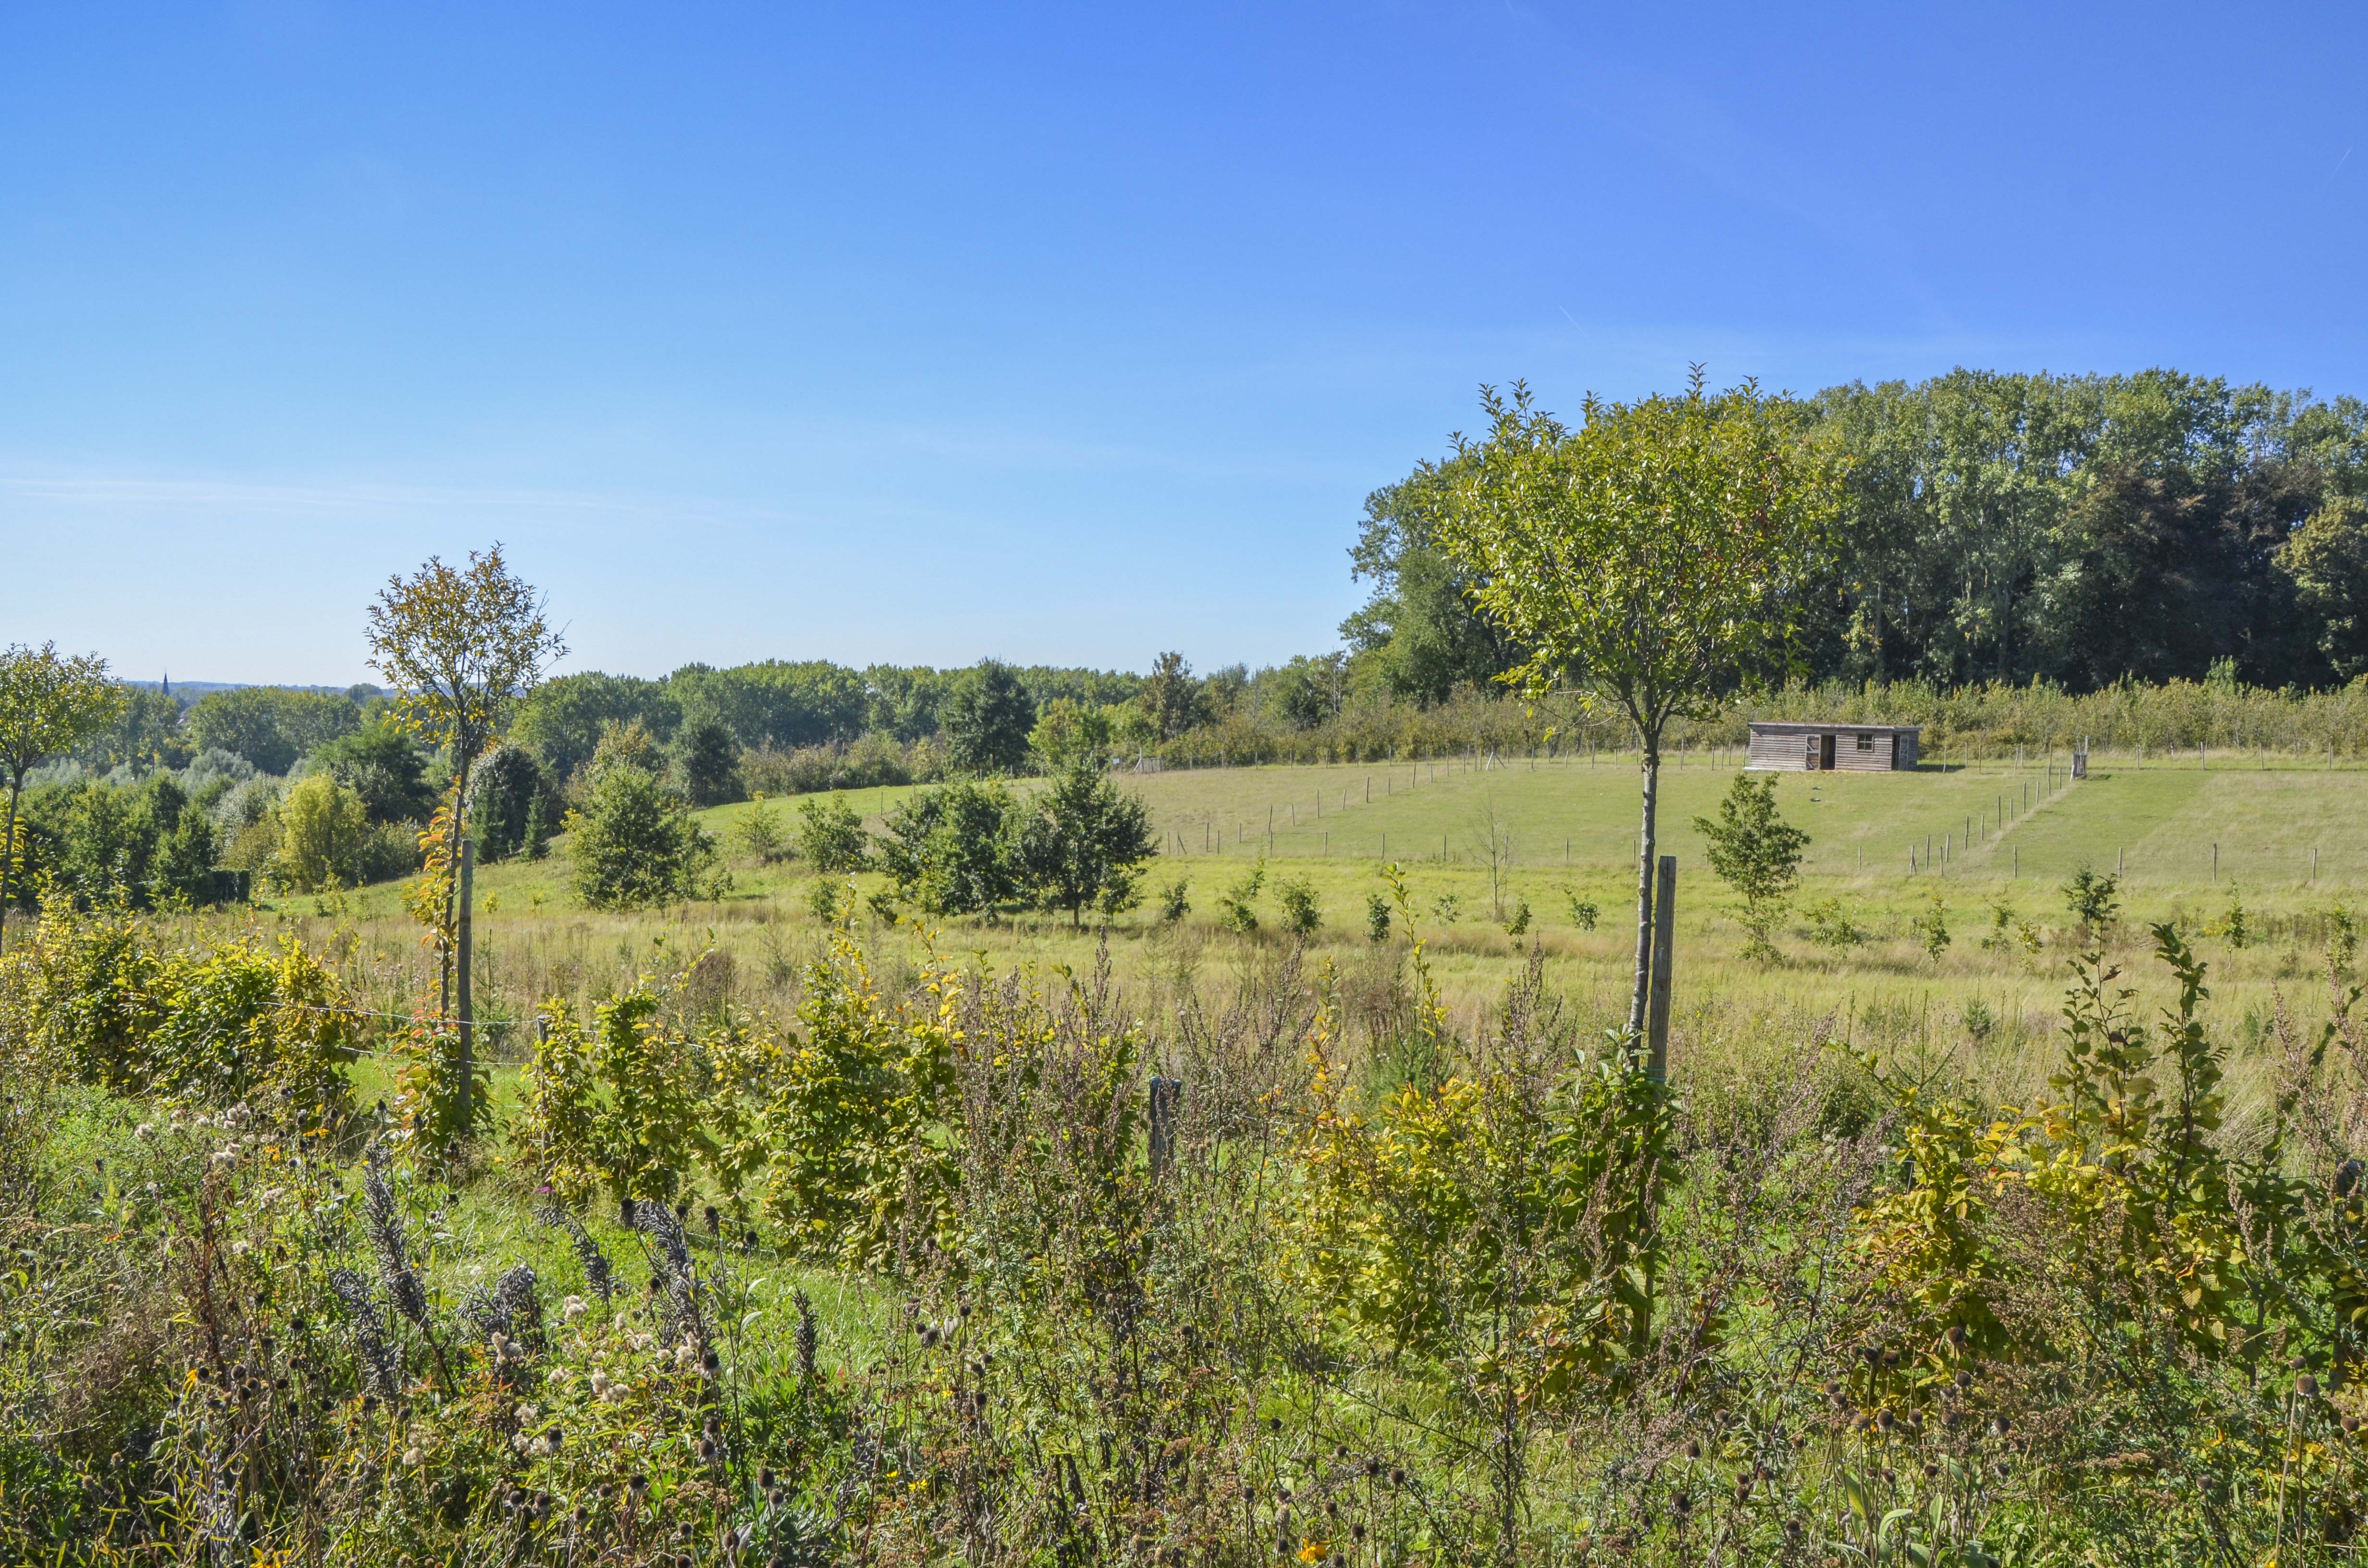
(49, 704)
(1652, 557)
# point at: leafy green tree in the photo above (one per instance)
(776, 703)
(562, 720)
(952, 850)
(183, 866)
(987, 718)
(1653, 557)
(508, 785)
(633, 841)
(463, 646)
(1304, 692)
(270, 726)
(49, 705)
(1085, 843)
(1068, 731)
(1171, 701)
(707, 760)
(147, 734)
(831, 837)
(380, 763)
(1755, 851)
(323, 836)
(2327, 558)
(1420, 635)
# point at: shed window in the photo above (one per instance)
(1866, 742)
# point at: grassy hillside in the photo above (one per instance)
(1565, 832)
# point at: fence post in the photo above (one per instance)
(1163, 1125)
(1664, 912)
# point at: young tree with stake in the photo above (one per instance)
(1755, 851)
(48, 704)
(1653, 558)
(462, 645)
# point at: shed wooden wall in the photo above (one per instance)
(1848, 758)
(1781, 752)
(1795, 752)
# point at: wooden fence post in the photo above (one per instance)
(1164, 1092)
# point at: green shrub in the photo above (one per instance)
(218, 1023)
(632, 841)
(953, 849)
(831, 837)
(1300, 917)
(1238, 905)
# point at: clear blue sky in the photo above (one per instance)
(920, 333)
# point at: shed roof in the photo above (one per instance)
(1787, 727)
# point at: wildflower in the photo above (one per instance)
(144, 1132)
(385, 1229)
(2307, 1386)
(572, 1309)
(526, 1415)
(369, 1331)
(594, 1262)
(411, 1456)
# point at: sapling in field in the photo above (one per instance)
(2094, 899)
(759, 833)
(1830, 927)
(1299, 915)
(2342, 937)
(831, 837)
(1931, 928)
(1755, 851)
(1238, 905)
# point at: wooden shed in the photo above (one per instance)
(1818, 748)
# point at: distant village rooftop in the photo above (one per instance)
(1819, 748)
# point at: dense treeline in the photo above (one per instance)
(2076, 530)
(2149, 561)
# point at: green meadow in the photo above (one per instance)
(1993, 843)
